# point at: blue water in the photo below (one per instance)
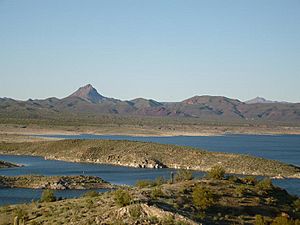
(285, 148)
(38, 165)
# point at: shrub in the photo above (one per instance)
(135, 211)
(202, 198)
(216, 172)
(265, 184)
(91, 194)
(20, 212)
(156, 193)
(144, 183)
(282, 220)
(241, 191)
(160, 180)
(296, 205)
(183, 175)
(259, 220)
(122, 197)
(250, 180)
(233, 179)
(48, 196)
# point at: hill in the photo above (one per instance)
(149, 155)
(86, 102)
(189, 202)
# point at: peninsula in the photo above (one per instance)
(150, 155)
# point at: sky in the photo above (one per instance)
(166, 50)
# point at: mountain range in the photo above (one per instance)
(87, 101)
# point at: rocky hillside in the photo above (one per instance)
(150, 155)
(188, 202)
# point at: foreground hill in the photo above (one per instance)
(87, 102)
(149, 155)
(186, 202)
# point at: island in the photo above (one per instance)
(150, 155)
(54, 182)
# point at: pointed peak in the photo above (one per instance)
(88, 93)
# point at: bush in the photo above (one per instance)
(150, 183)
(156, 193)
(183, 175)
(250, 180)
(144, 183)
(91, 194)
(202, 198)
(48, 196)
(241, 191)
(122, 197)
(233, 179)
(160, 180)
(296, 205)
(135, 211)
(265, 184)
(216, 172)
(259, 220)
(282, 220)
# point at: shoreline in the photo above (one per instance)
(38, 134)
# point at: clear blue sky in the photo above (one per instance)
(167, 50)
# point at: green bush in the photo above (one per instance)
(144, 183)
(48, 196)
(265, 185)
(259, 220)
(240, 191)
(183, 175)
(91, 194)
(216, 172)
(202, 198)
(156, 193)
(233, 179)
(282, 220)
(135, 211)
(160, 180)
(122, 197)
(296, 205)
(250, 180)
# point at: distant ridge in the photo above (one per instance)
(87, 102)
(261, 100)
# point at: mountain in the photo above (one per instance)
(87, 102)
(262, 101)
(88, 93)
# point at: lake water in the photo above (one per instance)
(285, 148)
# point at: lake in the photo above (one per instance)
(285, 148)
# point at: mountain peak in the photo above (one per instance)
(259, 100)
(88, 93)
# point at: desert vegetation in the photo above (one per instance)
(191, 201)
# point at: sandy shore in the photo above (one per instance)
(17, 133)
